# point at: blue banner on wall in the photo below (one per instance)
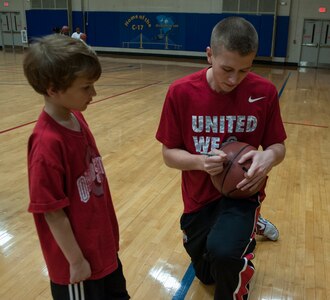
(152, 31)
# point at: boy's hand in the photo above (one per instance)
(61, 229)
(80, 271)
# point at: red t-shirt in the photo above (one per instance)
(66, 172)
(197, 119)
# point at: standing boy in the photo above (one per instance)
(69, 193)
(222, 103)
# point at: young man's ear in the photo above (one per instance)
(209, 55)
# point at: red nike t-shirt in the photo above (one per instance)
(197, 119)
(66, 172)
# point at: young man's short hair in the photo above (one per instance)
(234, 34)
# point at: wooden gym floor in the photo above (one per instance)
(124, 117)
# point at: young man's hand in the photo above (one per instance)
(262, 163)
(214, 162)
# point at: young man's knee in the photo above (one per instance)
(219, 252)
(227, 251)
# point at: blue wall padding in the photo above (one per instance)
(282, 34)
(165, 31)
(41, 22)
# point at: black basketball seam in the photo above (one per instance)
(239, 152)
(224, 177)
(230, 163)
(232, 191)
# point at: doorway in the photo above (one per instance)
(315, 47)
(10, 27)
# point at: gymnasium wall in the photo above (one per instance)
(178, 27)
(196, 17)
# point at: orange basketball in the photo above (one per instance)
(83, 37)
(233, 172)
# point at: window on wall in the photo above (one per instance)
(250, 7)
(48, 4)
(61, 3)
(229, 6)
(267, 6)
(36, 4)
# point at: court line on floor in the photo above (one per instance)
(189, 275)
(94, 102)
(126, 92)
(297, 123)
(186, 282)
(16, 127)
(306, 124)
(284, 85)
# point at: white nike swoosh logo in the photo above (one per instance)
(251, 100)
(261, 225)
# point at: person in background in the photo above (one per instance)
(65, 30)
(69, 192)
(222, 103)
(76, 34)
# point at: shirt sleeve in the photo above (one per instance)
(169, 130)
(46, 180)
(274, 131)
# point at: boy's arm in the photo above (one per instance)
(183, 160)
(60, 227)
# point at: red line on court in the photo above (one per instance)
(129, 91)
(306, 124)
(113, 96)
(19, 126)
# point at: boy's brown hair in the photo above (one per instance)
(57, 61)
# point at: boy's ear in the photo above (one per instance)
(51, 91)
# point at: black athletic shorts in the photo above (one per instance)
(110, 287)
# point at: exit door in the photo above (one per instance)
(11, 26)
(324, 53)
(315, 47)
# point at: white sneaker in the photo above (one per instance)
(267, 229)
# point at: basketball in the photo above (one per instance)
(233, 172)
(83, 36)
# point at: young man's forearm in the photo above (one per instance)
(182, 159)
(278, 152)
